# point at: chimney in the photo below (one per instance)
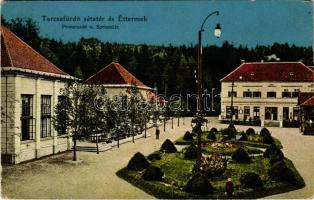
(115, 59)
(242, 61)
(262, 61)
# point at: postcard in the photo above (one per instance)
(157, 99)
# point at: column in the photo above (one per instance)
(37, 110)
(16, 136)
(54, 101)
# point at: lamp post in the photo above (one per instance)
(199, 119)
(118, 136)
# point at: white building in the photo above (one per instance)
(30, 87)
(267, 91)
(117, 80)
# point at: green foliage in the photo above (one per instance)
(211, 135)
(213, 130)
(264, 132)
(188, 136)
(240, 155)
(251, 180)
(229, 133)
(243, 137)
(280, 171)
(199, 184)
(250, 131)
(190, 152)
(153, 173)
(168, 147)
(273, 152)
(268, 139)
(138, 162)
(154, 156)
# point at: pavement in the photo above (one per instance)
(93, 177)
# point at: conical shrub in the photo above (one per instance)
(188, 136)
(190, 152)
(199, 184)
(251, 180)
(153, 173)
(240, 155)
(168, 147)
(138, 162)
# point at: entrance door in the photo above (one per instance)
(271, 113)
(285, 113)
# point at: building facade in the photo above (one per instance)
(266, 91)
(30, 88)
(117, 80)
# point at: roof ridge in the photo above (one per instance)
(98, 72)
(6, 47)
(120, 69)
(32, 49)
(312, 97)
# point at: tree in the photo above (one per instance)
(78, 112)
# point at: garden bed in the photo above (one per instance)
(178, 171)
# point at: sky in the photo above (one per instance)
(243, 22)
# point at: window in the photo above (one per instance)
(256, 113)
(234, 94)
(246, 112)
(62, 115)
(295, 93)
(271, 94)
(286, 94)
(228, 112)
(257, 94)
(27, 120)
(45, 116)
(296, 112)
(247, 94)
(285, 113)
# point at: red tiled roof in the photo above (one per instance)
(114, 74)
(271, 71)
(17, 54)
(152, 97)
(306, 99)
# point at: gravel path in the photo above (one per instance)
(94, 177)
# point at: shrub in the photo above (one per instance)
(188, 136)
(268, 139)
(264, 132)
(154, 156)
(250, 131)
(229, 132)
(273, 150)
(153, 173)
(190, 152)
(240, 155)
(138, 162)
(168, 147)
(243, 137)
(213, 130)
(251, 180)
(199, 184)
(281, 172)
(211, 136)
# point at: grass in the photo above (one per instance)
(178, 171)
(253, 140)
(228, 152)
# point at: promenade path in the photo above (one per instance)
(94, 177)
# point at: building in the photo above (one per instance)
(117, 80)
(30, 87)
(266, 91)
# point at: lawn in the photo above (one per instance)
(179, 170)
(253, 140)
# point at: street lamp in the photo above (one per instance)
(118, 136)
(199, 119)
